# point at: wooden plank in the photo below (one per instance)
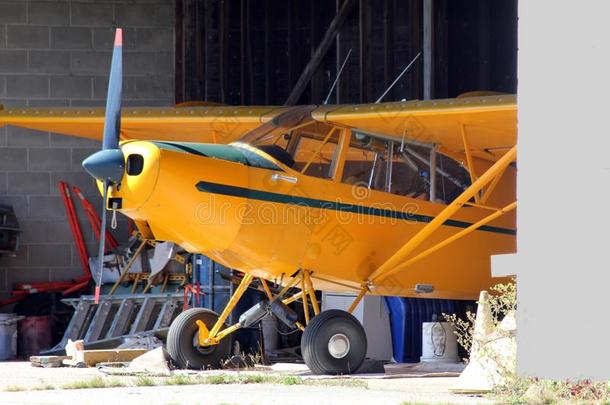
(93, 357)
(318, 55)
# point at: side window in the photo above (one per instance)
(314, 154)
(384, 165)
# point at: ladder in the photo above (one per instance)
(118, 317)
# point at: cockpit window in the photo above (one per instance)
(233, 153)
(404, 169)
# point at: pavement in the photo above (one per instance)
(20, 383)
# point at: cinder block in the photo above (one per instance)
(3, 286)
(143, 15)
(14, 102)
(79, 178)
(27, 36)
(103, 39)
(27, 86)
(71, 38)
(28, 275)
(141, 63)
(19, 259)
(92, 14)
(13, 159)
(49, 13)
(27, 183)
(90, 62)
(19, 204)
(100, 87)
(3, 136)
(13, 12)
(46, 207)
(88, 103)
(56, 254)
(16, 136)
(2, 36)
(154, 86)
(2, 86)
(55, 102)
(155, 39)
(71, 87)
(45, 231)
(64, 141)
(80, 154)
(49, 62)
(66, 273)
(13, 61)
(44, 159)
(164, 62)
(3, 182)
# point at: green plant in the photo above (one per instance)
(180, 379)
(144, 381)
(502, 300)
(95, 382)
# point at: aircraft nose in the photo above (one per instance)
(106, 165)
(141, 169)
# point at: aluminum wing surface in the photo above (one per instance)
(488, 123)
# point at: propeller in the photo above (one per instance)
(108, 164)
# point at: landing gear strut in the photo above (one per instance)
(334, 342)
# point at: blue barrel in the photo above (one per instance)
(407, 316)
(8, 336)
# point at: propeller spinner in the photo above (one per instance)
(108, 164)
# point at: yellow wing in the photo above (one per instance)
(488, 123)
(218, 124)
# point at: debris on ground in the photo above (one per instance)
(48, 361)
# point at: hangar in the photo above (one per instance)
(231, 59)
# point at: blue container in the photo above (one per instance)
(407, 316)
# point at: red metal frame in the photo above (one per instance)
(69, 286)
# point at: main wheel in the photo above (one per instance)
(334, 342)
(182, 341)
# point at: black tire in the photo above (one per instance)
(318, 334)
(181, 339)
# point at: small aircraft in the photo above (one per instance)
(400, 198)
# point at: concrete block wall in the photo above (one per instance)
(57, 53)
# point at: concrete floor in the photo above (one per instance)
(393, 389)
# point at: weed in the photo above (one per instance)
(144, 381)
(292, 380)
(180, 379)
(95, 382)
(14, 388)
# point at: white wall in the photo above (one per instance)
(563, 260)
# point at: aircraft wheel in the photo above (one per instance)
(182, 341)
(334, 342)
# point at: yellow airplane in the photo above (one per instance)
(401, 198)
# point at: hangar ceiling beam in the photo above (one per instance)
(428, 17)
(318, 55)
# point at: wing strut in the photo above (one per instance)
(397, 261)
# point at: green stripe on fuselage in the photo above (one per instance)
(234, 191)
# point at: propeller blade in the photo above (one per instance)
(108, 164)
(112, 122)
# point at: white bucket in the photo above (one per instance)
(439, 343)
